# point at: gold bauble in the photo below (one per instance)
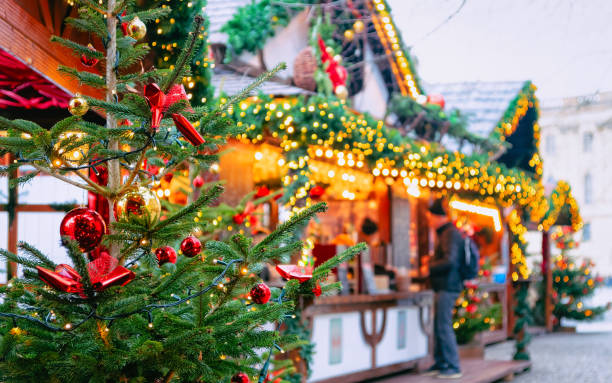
(78, 106)
(341, 92)
(74, 156)
(330, 51)
(359, 26)
(349, 35)
(137, 29)
(338, 59)
(139, 205)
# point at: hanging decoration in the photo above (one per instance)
(140, 205)
(336, 72)
(78, 105)
(87, 60)
(104, 272)
(191, 246)
(260, 294)
(136, 29)
(240, 377)
(165, 254)
(159, 104)
(302, 274)
(85, 226)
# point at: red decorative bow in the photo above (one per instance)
(247, 213)
(302, 274)
(159, 104)
(104, 272)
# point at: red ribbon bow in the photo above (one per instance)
(103, 272)
(159, 104)
(247, 213)
(302, 274)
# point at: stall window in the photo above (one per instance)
(587, 142)
(588, 189)
(586, 232)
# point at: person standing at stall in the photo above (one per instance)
(446, 281)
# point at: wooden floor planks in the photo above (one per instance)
(474, 371)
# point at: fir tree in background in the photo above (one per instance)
(573, 283)
(136, 310)
(166, 41)
(474, 312)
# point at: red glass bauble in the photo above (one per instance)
(165, 254)
(262, 192)
(85, 226)
(89, 61)
(260, 294)
(198, 182)
(191, 246)
(240, 377)
(317, 192)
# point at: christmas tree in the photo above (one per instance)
(474, 312)
(130, 308)
(573, 283)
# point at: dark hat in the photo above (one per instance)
(369, 227)
(437, 207)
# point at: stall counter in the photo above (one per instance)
(361, 337)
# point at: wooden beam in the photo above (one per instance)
(24, 37)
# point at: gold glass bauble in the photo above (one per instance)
(349, 35)
(341, 92)
(359, 26)
(137, 29)
(78, 106)
(139, 205)
(74, 156)
(329, 51)
(338, 59)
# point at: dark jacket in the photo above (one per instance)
(444, 266)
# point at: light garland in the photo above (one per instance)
(398, 57)
(479, 209)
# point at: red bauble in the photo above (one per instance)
(191, 246)
(85, 226)
(262, 192)
(239, 219)
(165, 254)
(317, 290)
(436, 99)
(89, 61)
(240, 377)
(317, 192)
(260, 293)
(198, 182)
(471, 308)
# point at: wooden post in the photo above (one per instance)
(12, 220)
(547, 274)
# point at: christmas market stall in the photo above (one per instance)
(377, 174)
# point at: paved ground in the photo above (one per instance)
(564, 358)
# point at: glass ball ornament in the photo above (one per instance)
(191, 246)
(85, 226)
(341, 92)
(260, 293)
(165, 254)
(358, 26)
(78, 106)
(139, 205)
(240, 377)
(89, 61)
(137, 29)
(349, 35)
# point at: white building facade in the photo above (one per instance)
(576, 142)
